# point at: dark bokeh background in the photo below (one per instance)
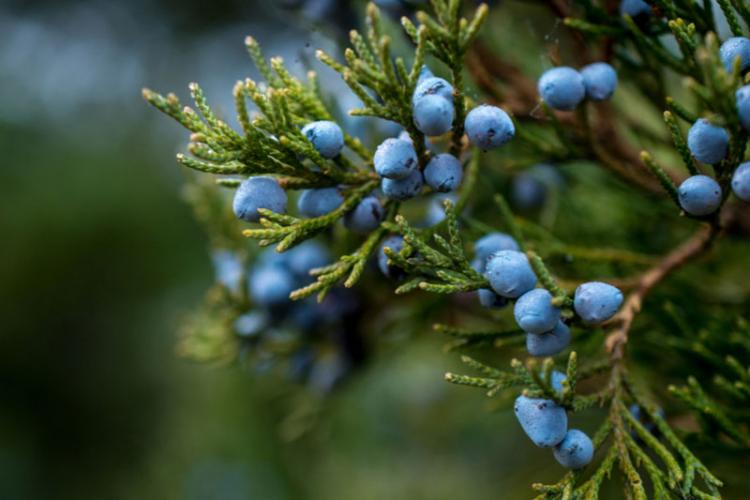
(101, 257)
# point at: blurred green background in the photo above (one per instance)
(101, 259)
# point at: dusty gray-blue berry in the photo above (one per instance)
(548, 343)
(489, 127)
(561, 88)
(366, 216)
(600, 81)
(575, 450)
(535, 313)
(542, 420)
(741, 182)
(443, 173)
(708, 142)
(258, 192)
(433, 115)
(596, 302)
(699, 195)
(326, 137)
(731, 49)
(318, 202)
(510, 274)
(395, 159)
(403, 189)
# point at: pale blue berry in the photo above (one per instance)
(433, 115)
(395, 159)
(252, 323)
(707, 142)
(510, 274)
(443, 173)
(596, 302)
(548, 343)
(733, 48)
(366, 216)
(741, 182)
(326, 137)
(433, 86)
(600, 80)
(634, 8)
(271, 285)
(699, 195)
(255, 193)
(743, 106)
(489, 127)
(491, 243)
(575, 450)
(535, 313)
(228, 269)
(395, 243)
(403, 189)
(318, 202)
(542, 420)
(562, 88)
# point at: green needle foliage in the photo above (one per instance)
(636, 165)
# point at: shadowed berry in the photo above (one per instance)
(255, 193)
(228, 269)
(743, 106)
(733, 48)
(575, 450)
(366, 216)
(491, 243)
(395, 243)
(600, 81)
(596, 302)
(326, 137)
(271, 285)
(443, 173)
(317, 202)
(489, 127)
(491, 300)
(433, 115)
(436, 210)
(548, 343)
(542, 420)
(251, 324)
(510, 274)
(395, 159)
(403, 189)
(699, 195)
(741, 182)
(535, 313)
(306, 256)
(707, 142)
(634, 8)
(562, 88)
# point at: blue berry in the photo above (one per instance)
(733, 48)
(395, 159)
(255, 193)
(228, 269)
(366, 216)
(535, 313)
(575, 450)
(491, 300)
(491, 243)
(596, 302)
(395, 243)
(318, 202)
(510, 274)
(251, 323)
(556, 381)
(326, 137)
(707, 142)
(306, 256)
(403, 189)
(529, 188)
(600, 80)
(489, 127)
(542, 420)
(743, 105)
(549, 343)
(699, 195)
(433, 86)
(424, 73)
(443, 173)
(741, 182)
(562, 88)
(634, 8)
(433, 115)
(271, 285)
